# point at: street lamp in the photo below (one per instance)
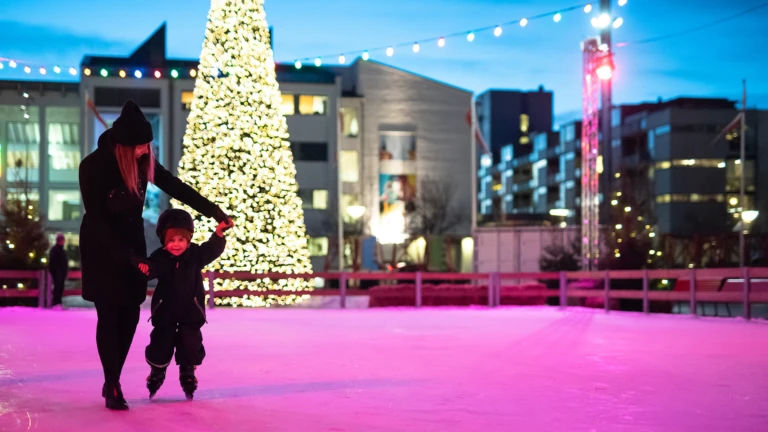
(355, 211)
(749, 216)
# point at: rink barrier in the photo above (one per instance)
(693, 295)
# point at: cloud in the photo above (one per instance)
(50, 44)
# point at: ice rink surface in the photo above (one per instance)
(455, 369)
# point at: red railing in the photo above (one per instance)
(745, 277)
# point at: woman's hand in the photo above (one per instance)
(223, 226)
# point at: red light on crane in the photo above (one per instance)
(605, 70)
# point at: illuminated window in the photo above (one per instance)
(350, 125)
(697, 163)
(318, 246)
(350, 169)
(186, 99)
(63, 205)
(667, 198)
(63, 143)
(320, 199)
(525, 140)
(524, 123)
(22, 162)
(313, 105)
(316, 199)
(287, 106)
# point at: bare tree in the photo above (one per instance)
(434, 212)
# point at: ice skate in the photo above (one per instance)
(155, 380)
(188, 381)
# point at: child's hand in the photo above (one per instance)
(144, 268)
(223, 226)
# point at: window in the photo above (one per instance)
(186, 99)
(287, 106)
(318, 246)
(668, 198)
(350, 126)
(506, 153)
(349, 163)
(33, 199)
(615, 117)
(524, 123)
(313, 105)
(22, 161)
(733, 171)
(316, 199)
(525, 140)
(63, 205)
(397, 146)
(63, 143)
(310, 152)
(616, 142)
(696, 163)
(651, 144)
(663, 129)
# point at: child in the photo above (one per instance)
(177, 304)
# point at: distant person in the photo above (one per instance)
(58, 266)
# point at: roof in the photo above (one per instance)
(152, 54)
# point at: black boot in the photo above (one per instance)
(155, 380)
(188, 380)
(113, 397)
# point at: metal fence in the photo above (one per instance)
(692, 295)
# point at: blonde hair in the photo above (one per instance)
(130, 166)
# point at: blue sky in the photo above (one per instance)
(708, 63)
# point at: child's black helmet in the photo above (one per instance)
(174, 218)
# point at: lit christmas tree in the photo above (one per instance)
(236, 153)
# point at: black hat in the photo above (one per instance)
(174, 219)
(131, 128)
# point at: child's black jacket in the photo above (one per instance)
(179, 297)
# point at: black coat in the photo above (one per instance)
(58, 264)
(112, 231)
(179, 296)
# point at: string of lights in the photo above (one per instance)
(497, 30)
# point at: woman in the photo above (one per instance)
(113, 183)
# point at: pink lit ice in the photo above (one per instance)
(473, 369)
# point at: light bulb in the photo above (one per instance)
(121, 73)
(366, 56)
(604, 20)
(137, 73)
(557, 17)
(342, 59)
(192, 73)
(622, 2)
(588, 8)
(27, 69)
(87, 72)
(42, 71)
(297, 65)
(104, 72)
(318, 62)
(12, 64)
(416, 47)
(174, 73)
(157, 74)
(497, 31)
(1, 65)
(390, 51)
(618, 22)
(57, 69)
(441, 42)
(523, 22)
(470, 36)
